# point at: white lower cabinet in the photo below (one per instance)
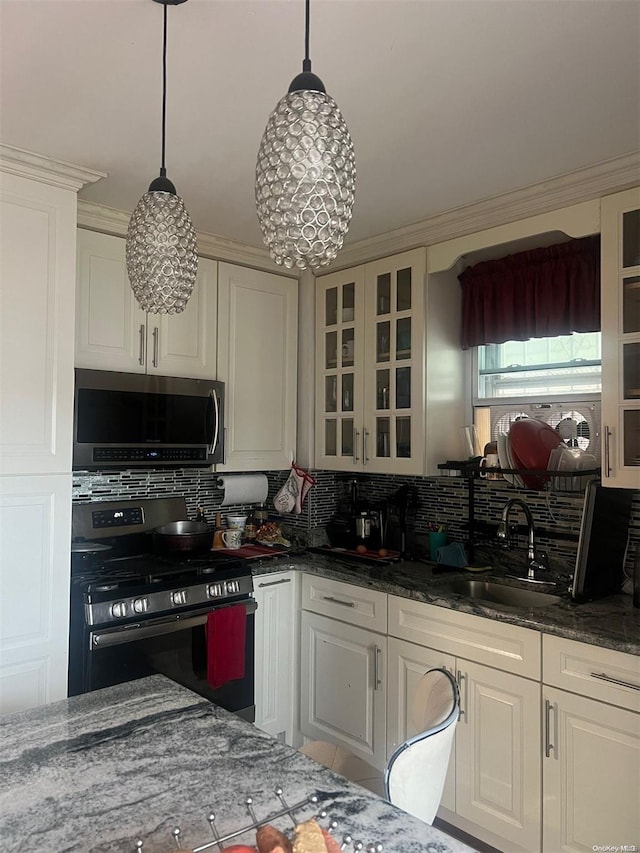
(407, 664)
(35, 531)
(591, 776)
(546, 756)
(343, 695)
(493, 785)
(276, 633)
(498, 754)
(591, 769)
(343, 668)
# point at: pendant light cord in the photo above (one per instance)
(163, 171)
(306, 63)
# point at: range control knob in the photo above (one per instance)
(140, 605)
(232, 586)
(214, 590)
(118, 609)
(179, 597)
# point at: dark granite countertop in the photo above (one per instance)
(610, 622)
(97, 772)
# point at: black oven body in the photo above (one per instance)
(173, 645)
(137, 611)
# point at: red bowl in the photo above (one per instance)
(531, 443)
(530, 481)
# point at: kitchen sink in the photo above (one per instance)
(499, 593)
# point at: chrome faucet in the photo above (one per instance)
(533, 563)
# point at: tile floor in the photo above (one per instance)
(358, 771)
(343, 762)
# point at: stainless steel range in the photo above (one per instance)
(135, 611)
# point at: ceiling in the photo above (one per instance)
(448, 101)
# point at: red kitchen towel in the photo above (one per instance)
(226, 633)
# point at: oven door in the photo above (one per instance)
(174, 646)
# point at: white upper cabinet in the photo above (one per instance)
(257, 361)
(114, 333)
(36, 326)
(621, 339)
(370, 361)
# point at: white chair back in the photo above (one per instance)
(415, 774)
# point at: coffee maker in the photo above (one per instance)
(357, 522)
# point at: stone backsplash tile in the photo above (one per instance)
(440, 500)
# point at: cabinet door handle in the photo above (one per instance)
(337, 601)
(365, 434)
(155, 346)
(604, 677)
(377, 669)
(607, 451)
(356, 436)
(216, 416)
(275, 583)
(548, 746)
(142, 344)
(460, 679)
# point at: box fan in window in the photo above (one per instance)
(577, 423)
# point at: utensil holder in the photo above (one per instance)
(436, 540)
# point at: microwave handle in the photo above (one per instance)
(216, 429)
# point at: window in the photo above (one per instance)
(566, 365)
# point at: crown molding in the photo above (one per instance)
(581, 185)
(35, 167)
(565, 190)
(108, 220)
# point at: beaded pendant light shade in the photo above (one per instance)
(305, 174)
(161, 248)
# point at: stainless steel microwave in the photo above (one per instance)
(135, 420)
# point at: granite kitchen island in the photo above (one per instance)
(98, 772)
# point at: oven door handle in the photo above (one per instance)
(156, 627)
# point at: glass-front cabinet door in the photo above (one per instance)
(394, 359)
(620, 224)
(370, 367)
(339, 364)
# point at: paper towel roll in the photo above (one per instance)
(243, 488)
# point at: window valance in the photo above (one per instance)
(534, 294)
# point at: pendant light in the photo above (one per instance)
(305, 174)
(162, 257)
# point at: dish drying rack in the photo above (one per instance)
(347, 842)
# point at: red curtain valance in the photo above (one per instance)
(535, 294)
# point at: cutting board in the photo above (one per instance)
(252, 552)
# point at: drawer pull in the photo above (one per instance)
(275, 583)
(337, 601)
(604, 677)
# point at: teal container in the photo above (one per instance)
(436, 540)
